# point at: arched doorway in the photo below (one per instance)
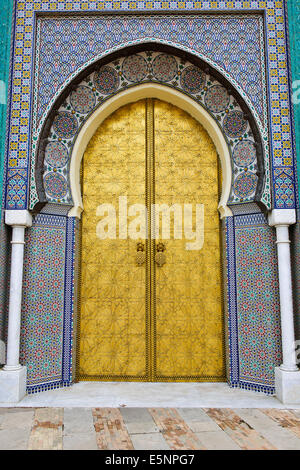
(139, 320)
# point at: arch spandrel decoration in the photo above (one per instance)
(168, 76)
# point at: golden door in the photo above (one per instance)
(150, 321)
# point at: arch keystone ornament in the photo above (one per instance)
(287, 376)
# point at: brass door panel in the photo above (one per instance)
(113, 324)
(145, 322)
(188, 333)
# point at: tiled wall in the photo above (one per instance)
(46, 331)
(253, 296)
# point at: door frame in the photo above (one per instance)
(79, 262)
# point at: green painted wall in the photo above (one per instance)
(294, 27)
(5, 35)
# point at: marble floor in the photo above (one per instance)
(146, 395)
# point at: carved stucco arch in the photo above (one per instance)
(149, 90)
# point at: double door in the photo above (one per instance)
(150, 308)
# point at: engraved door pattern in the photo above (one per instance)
(150, 310)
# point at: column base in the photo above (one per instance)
(12, 385)
(287, 386)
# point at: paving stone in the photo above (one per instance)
(281, 438)
(149, 441)
(138, 420)
(46, 433)
(217, 440)
(18, 419)
(203, 427)
(175, 431)
(79, 432)
(3, 411)
(242, 433)
(15, 427)
(78, 420)
(296, 413)
(285, 418)
(194, 414)
(111, 432)
(197, 420)
(80, 441)
(14, 439)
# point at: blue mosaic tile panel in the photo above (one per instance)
(257, 326)
(235, 44)
(44, 332)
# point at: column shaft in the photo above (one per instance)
(286, 300)
(15, 298)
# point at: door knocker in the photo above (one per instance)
(160, 257)
(140, 254)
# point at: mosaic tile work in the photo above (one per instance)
(284, 187)
(46, 328)
(142, 68)
(50, 292)
(22, 86)
(235, 44)
(16, 188)
(247, 31)
(254, 334)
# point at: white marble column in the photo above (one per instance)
(287, 376)
(13, 375)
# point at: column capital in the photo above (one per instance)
(21, 218)
(279, 217)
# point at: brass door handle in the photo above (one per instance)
(140, 256)
(160, 257)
